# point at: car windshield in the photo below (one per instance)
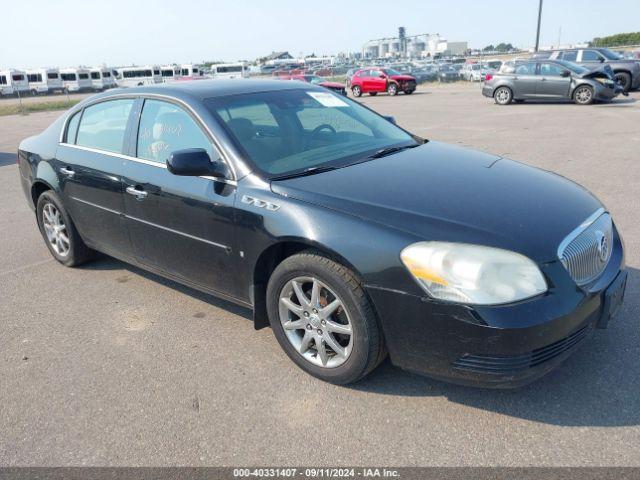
(573, 67)
(296, 130)
(610, 55)
(391, 71)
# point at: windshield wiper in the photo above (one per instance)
(304, 173)
(390, 150)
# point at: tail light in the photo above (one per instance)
(488, 77)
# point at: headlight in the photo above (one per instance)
(473, 274)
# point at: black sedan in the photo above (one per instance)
(351, 237)
(551, 80)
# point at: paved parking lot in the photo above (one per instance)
(109, 365)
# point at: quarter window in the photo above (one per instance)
(103, 125)
(165, 128)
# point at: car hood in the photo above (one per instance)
(402, 78)
(604, 71)
(443, 192)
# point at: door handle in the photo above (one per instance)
(67, 171)
(139, 194)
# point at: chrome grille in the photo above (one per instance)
(586, 251)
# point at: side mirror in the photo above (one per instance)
(390, 118)
(195, 162)
(601, 60)
(566, 73)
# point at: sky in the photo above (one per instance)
(118, 32)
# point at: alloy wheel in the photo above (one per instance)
(503, 96)
(55, 229)
(583, 95)
(315, 322)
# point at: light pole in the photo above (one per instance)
(539, 19)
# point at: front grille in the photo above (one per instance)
(587, 250)
(505, 365)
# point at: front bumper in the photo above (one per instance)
(604, 92)
(495, 346)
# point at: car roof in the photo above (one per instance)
(202, 89)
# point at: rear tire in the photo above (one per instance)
(624, 79)
(392, 89)
(59, 232)
(583, 95)
(503, 95)
(356, 90)
(361, 345)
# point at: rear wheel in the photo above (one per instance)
(624, 79)
(503, 95)
(356, 90)
(322, 318)
(59, 232)
(583, 95)
(392, 89)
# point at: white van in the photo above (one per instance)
(13, 81)
(138, 76)
(44, 80)
(101, 78)
(229, 70)
(170, 73)
(190, 71)
(75, 79)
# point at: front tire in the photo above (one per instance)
(583, 95)
(357, 91)
(503, 95)
(323, 319)
(624, 79)
(59, 232)
(392, 89)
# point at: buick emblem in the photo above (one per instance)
(602, 245)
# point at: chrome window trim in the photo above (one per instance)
(167, 229)
(578, 230)
(152, 96)
(140, 160)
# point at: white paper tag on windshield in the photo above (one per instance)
(327, 99)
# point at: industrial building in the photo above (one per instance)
(427, 45)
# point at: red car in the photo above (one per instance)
(374, 80)
(323, 82)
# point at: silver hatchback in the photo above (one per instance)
(550, 80)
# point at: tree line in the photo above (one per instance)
(616, 40)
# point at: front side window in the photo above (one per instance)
(288, 131)
(591, 56)
(165, 128)
(103, 125)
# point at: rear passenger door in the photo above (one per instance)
(525, 80)
(182, 226)
(90, 165)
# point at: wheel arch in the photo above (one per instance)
(270, 258)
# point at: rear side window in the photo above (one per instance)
(570, 56)
(103, 125)
(165, 128)
(95, 75)
(526, 69)
(52, 76)
(72, 128)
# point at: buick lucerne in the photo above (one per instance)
(352, 238)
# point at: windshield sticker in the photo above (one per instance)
(327, 99)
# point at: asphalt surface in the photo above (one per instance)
(109, 365)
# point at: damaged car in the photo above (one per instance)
(551, 80)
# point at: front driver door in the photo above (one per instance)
(552, 83)
(183, 226)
